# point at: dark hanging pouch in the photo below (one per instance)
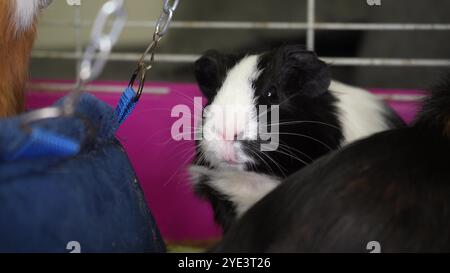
(67, 185)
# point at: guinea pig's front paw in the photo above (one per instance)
(242, 188)
(200, 174)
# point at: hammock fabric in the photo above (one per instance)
(69, 180)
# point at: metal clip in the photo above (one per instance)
(141, 72)
(161, 28)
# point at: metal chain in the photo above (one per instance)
(94, 59)
(97, 52)
(162, 25)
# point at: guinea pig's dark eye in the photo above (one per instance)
(270, 94)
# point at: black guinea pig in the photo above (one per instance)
(268, 115)
(389, 192)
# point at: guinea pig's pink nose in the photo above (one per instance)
(228, 136)
(232, 136)
(228, 153)
(229, 158)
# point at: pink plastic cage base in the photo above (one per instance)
(160, 162)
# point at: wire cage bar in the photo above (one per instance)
(310, 26)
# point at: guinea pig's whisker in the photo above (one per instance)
(187, 134)
(181, 153)
(201, 159)
(189, 99)
(178, 145)
(290, 151)
(276, 164)
(305, 121)
(187, 152)
(283, 144)
(256, 152)
(184, 134)
(306, 136)
(291, 156)
(309, 137)
(205, 111)
(201, 154)
(262, 159)
(285, 148)
(178, 135)
(177, 171)
(150, 138)
(252, 166)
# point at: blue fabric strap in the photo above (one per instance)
(45, 143)
(126, 105)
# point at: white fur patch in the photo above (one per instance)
(232, 112)
(360, 112)
(25, 12)
(244, 189)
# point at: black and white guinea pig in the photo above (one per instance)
(315, 116)
(389, 192)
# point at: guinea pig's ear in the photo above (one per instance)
(305, 72)
(210, 71)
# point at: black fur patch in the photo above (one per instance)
(224, 210)
(436, 109)
(297, 81)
